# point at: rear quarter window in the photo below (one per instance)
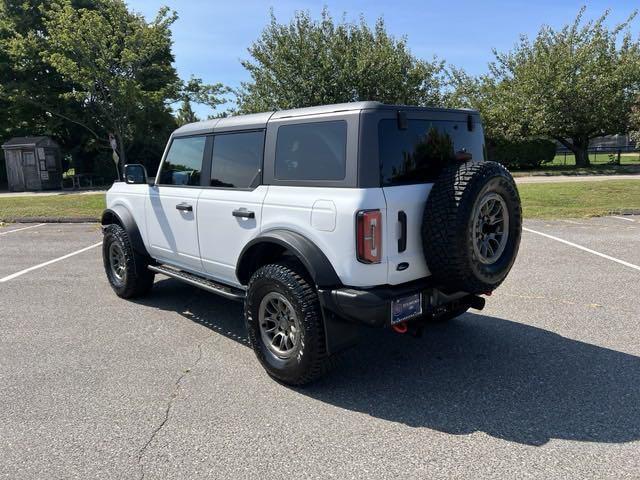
(418, 153)
(311, 151)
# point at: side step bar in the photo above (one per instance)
(197, 281)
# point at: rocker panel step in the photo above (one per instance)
(197, 281)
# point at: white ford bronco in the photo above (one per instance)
(321, 220)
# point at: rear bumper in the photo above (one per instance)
(372, 306)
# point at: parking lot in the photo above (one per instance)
(543, 383)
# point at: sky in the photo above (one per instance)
(212, 36)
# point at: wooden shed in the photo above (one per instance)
(33, 163)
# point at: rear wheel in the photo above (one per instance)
(126, 269)
(284, 323)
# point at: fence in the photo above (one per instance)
(602, 154)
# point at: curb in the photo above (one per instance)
(626, 211)
(50, 220)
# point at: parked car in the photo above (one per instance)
(320, 220)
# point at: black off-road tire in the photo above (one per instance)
(310, 360)
(138, 279)
(447, 227)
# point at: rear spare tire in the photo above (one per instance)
(472, 227)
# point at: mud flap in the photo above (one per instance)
(339, 334)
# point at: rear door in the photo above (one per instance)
(410, 161)
(172, 205)
(230, 207)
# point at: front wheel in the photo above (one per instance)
(284, 322)
(126, 269)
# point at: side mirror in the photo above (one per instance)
(135, 173)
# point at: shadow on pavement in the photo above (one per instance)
(476, 373)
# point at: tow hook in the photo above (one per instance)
(414, 328)
(401, 327)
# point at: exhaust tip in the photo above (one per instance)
(476, 302)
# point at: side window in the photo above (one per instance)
(184, 162)
(237, 159)
(311, 151)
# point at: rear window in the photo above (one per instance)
(311, 151)
(418, 153)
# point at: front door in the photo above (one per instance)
(172, 208)
(30, 171)
(230, 211)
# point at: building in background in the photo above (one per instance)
(33, 163)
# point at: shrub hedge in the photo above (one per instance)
(521, 154)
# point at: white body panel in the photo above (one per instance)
(172, 233)
(209, 239)
(292, 208)
(410, 199)
(223, 236)
(134, 199)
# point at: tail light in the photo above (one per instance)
(369, 236)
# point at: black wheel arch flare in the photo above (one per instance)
(119, 214)
(316, 263)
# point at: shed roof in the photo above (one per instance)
(16, 142)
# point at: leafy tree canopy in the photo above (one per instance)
(571, 84)
(186, 114)
(120, 65)
(307, 62)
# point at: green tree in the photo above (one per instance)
(120, 66)
(635, 123)
(27, 83)
(80, 69)
(186, 114)
(571, 84)
(308, 62)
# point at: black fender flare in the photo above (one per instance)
(317, 264)
(121, 216)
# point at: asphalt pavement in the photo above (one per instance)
(543, 383)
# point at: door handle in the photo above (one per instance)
(243, 213)
(184, 207)
(402, 241)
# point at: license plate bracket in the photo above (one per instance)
(405, 308)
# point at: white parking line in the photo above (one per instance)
(575, 245)
(35, 267)
(23, 228)
(623, 218)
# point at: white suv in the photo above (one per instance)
(320, 219)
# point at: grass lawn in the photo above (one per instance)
(579, 199)
(57, 206)
(541, 200)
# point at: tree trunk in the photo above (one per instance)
(121, 154)
(580, 149)
(581, 152)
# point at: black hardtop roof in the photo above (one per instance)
(260, 120)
